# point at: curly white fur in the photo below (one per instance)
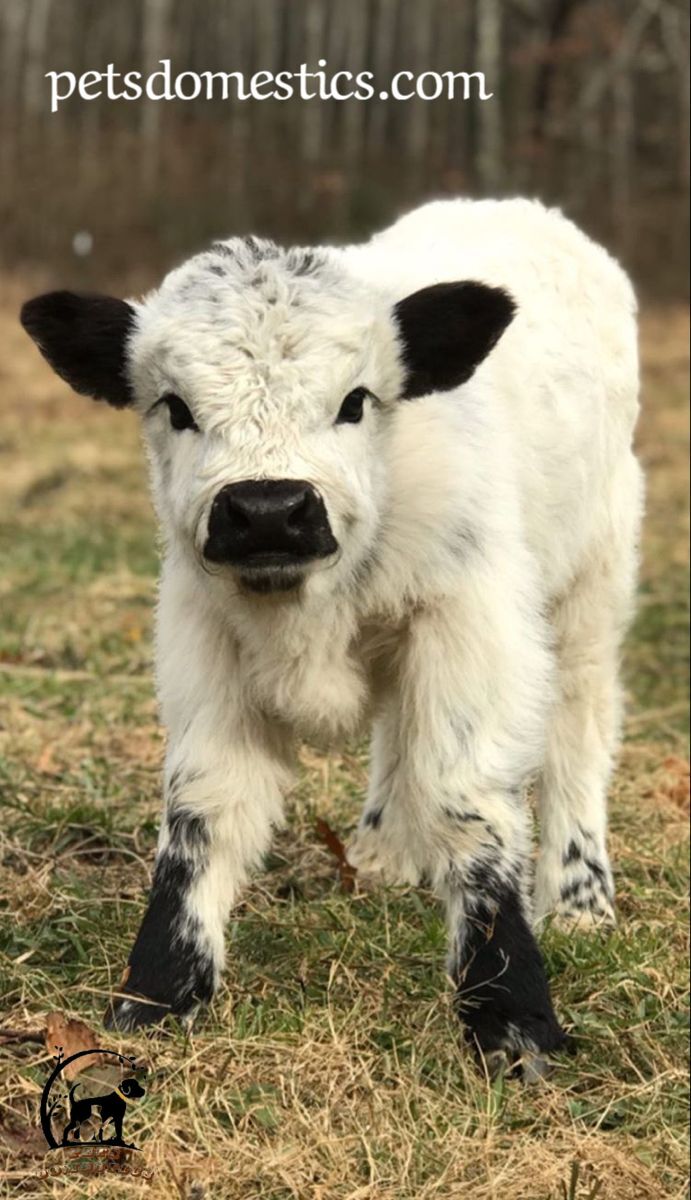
(487, 555)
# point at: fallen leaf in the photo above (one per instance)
(46, 764)
(71, 1035)
(331, 839)
(675, 782)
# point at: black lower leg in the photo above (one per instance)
(170, 968)
(502, 994)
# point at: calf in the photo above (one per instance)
(395, 482)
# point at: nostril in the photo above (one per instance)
(300, 510)
(236, 514)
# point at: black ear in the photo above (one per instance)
(446, 331)
(84, 338)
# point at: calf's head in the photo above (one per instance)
(265, 379)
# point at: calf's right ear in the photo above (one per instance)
(84, 338)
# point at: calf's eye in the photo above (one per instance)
(180, 415)
(351, 409)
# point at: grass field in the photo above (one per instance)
(329, 1067)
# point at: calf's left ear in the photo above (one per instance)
(446, 331)
(84, 338)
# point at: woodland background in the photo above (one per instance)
(591, 111)
(328, 1068)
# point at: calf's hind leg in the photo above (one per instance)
(574, 877)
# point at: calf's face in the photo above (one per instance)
(265, 380)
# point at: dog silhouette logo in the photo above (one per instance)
(90, 1111)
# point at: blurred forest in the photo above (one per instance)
(591, 111)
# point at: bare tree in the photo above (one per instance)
(13, 20)
(313, 51)
(590, 109)
(156, 15)
(35, 62)
(488, 19)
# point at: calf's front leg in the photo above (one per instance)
(223, 795)
(458, 735)
(472, 847)
(502, 994)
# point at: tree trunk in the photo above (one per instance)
(154, 45)
(490, 126)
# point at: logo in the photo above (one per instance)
(89, 1115)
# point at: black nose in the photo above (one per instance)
(267, 523)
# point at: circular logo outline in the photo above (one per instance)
(45, 1112)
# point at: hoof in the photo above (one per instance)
(585, 921)
(530, 1068)
(533, 1068)
(124, 1015)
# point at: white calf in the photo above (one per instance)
(385, 493)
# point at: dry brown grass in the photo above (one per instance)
(329, 1068)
